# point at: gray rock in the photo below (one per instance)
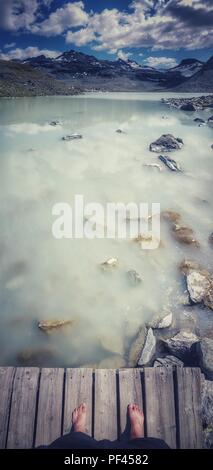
(67, 138)
(136, 346)
(199, 120)
(54, 123)
(207, 403)
(210, 120)
(197, 285)
(168, 361)
(166, 143)
(119, 131)
(211, 239)
(134, 277)
(184, 235)
(183, 345)
(188, 107)
(170, 163)
(162, 321)
(149, 348)
(205, 352)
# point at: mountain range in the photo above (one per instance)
(72, 71)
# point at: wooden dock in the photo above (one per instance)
(36, 404)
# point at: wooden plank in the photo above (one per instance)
(130, 391)
(6, 385)
(160, 404)
(78, 389)
(105, 417)
(49, 416)
(23, 408)
(189, 407)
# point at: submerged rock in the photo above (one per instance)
(136, 346)
(183, 345)
(188, 107)
(210, 120)
(199, 283)
(112, 342)
(170, 163)
(149, 348)
(134, 277)
(48, 325)
(36, 357)
(72, 137)
(211, 239)
(154, 165)
(110, 263)
(119, 131)
(112, 362)
(166, 143)
(172, 216)
(206, 356)
(184, 235)
(168, 361)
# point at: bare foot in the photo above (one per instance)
(79, 418)
(136, 417)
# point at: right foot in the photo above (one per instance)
(79, 418)
(136, 417)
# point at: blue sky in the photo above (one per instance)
(159, 33)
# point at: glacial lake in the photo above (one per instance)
(42, 278)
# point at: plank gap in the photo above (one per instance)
(10, 406)
(176, 397)
(144, 400)
(93, 404)
(63, 402)
(36, 409)
(118, 405)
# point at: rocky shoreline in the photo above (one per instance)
(190, 104)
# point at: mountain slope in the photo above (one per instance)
(23, 80)
(202, 81)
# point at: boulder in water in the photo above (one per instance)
(166, 143)
(188, 107)
(49, 325)
(199, 283)
(148, 350)
(36, 357)
(172, 216)
(67, 138)
(206, 356)
(199, 120)
(183, 345)
(184, 235)
(136, 346)
(170, 163)
(110, 263)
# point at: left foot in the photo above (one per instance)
(79, 418)
(136, 417)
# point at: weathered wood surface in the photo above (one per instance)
(189, 410)
(36, 405)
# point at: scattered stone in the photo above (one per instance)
(110, 263)
(119, 131)
(199, 121)
(49, 325)
(154, 165)
(185, 235)
(188, 107)
(162, 321)
(183, 345)
(134, 277)
(205, 351)
(148, 350)
(172, 216)
(54, 123)
(170, 163)
(212, 146)
(168, 361)
(136, 346)
(67, 138)
(36, 357)
(146, 239)
(199, 102)
(186, 266)
(166, 143)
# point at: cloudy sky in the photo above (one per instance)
(154, 32)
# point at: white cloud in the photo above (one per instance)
(68, 16)
(9, 46)
(124, 55)
(161, 62)
(22, 54)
